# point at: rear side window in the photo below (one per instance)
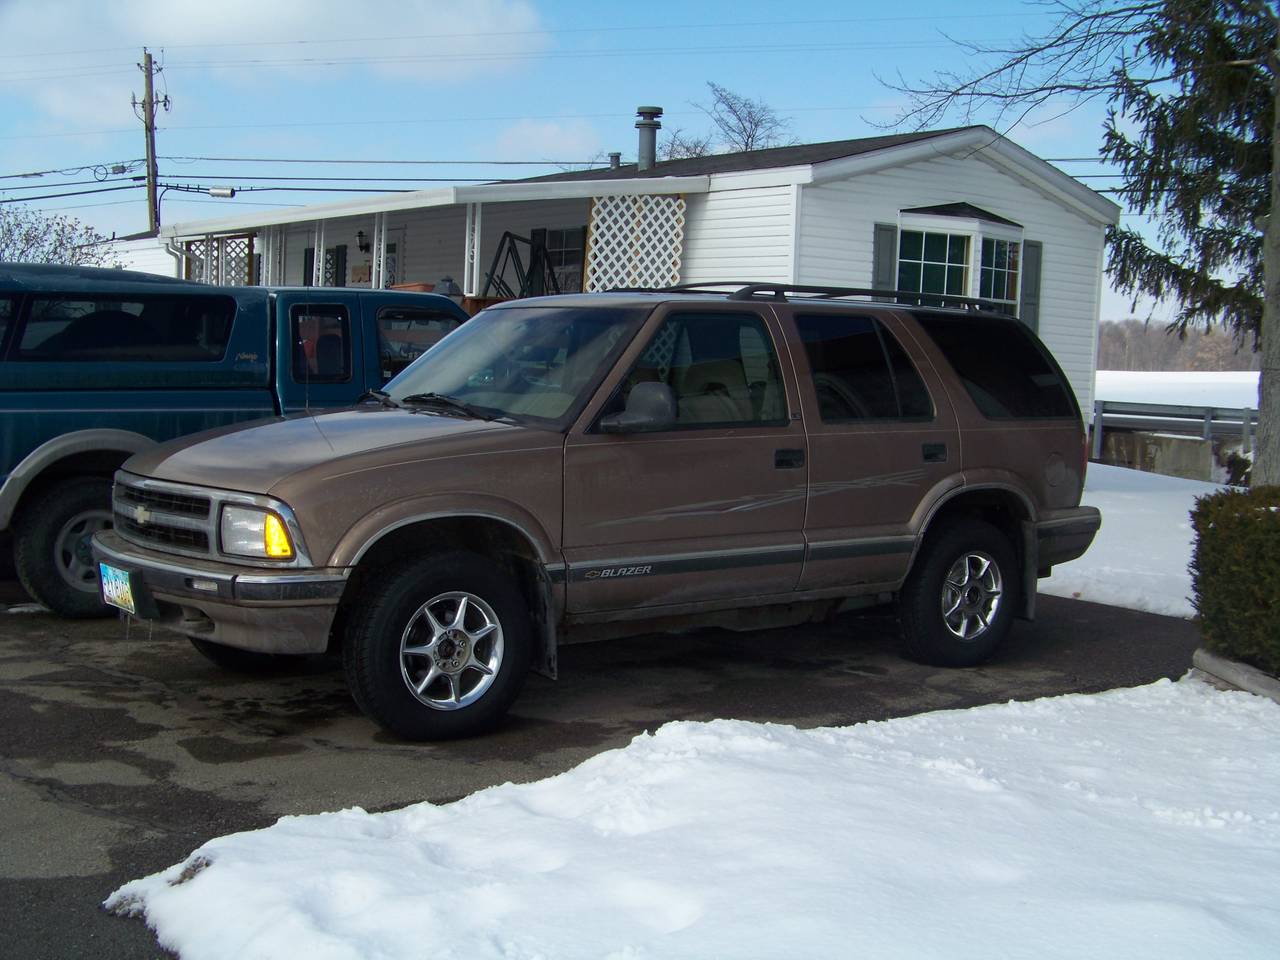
(114, 328)
(321, 335)
(1007, 372)
(6, 317)
(406, 333)
(860, 372)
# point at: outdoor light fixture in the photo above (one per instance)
(362, 241)
(224, 192)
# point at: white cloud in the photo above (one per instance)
(89, 71)
(555, 139)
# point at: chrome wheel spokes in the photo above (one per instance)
(971, 594)
(450, 650)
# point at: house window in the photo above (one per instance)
(998, 279)
(931, 262)
(565, 250)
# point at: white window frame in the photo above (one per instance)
(976, 231)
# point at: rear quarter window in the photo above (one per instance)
(116, 328)
(1006, 371)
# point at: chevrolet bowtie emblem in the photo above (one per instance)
(141, 515)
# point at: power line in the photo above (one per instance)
(494, 163)
(66, 183)
(247, 176)
(77, 193)
(72, 171)
(664, 27)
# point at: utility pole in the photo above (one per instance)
(148, 116)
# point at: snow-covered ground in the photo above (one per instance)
(1217, 389)
(1139, 558)
(1130, 824)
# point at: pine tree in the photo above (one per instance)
(1192, 88)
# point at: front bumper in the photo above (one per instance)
(252, 608)
(1062, 535)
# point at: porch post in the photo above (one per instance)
(317, 262)
(471, 257)
(377, 279)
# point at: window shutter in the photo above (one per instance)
(308, 265)
(1029, 303)
(537, 262)
(340, 265)
(884, 257)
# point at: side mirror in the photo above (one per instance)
(650, 406)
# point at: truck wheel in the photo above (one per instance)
(51, 546)
(958, 602)
(242, 661)
(440, 648)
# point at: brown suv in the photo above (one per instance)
(569, 467)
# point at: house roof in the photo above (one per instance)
(800, 164)
(770, 158)
(966, 210)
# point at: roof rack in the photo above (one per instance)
(779, 291)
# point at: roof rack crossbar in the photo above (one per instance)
(745, 290)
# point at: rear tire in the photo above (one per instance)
(51, 546)
(958, 602)
(440, 648)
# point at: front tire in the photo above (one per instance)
(958, 603)
(440, 649)
(51, 546)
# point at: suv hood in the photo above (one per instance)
(255, 458)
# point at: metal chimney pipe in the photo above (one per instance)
(648, 125)
(615, 160)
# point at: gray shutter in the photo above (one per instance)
(308, 265)
(340, 265)
(1029, 303)
(884, 257)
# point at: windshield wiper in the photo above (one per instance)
(449, 403)
(381, 396)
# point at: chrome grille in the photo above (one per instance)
(165, 501)
(164, 535)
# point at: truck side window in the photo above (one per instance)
(406, 333)
(860, 372)
(6, 317)
(133, 328)
(321, 337)
(721, 367)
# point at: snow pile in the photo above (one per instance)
(1136, 823)
(1139, 558)
(1228, 388)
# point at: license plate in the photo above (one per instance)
(117, 587)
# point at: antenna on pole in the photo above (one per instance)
(146, 111)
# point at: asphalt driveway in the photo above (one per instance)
(123, 751)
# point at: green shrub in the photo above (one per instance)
(1235, 574)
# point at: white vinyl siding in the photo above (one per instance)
(739, 235)
(837, 229)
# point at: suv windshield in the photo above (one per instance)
(534, 364)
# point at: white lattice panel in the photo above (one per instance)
(634, 242)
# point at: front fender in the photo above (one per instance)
(59, 448)
(371, 528)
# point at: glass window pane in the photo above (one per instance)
(321, 343)
(988, 252)
(958, 250)
(1011, 290)
(935, 278)
(985, 283)
(1002, 255)
(955, 282)
(404, 334)
(140, 328)
(935, 247)
(852, 377)
(911, 245)
(909, 276)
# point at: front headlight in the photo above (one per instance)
(255, 532)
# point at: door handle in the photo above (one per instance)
(788, 459)
(934, 452)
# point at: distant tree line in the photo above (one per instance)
(1135, 345)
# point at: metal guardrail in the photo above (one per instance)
(1206, 422)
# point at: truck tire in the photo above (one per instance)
(958, 602)
(51, 546)
(439, 648)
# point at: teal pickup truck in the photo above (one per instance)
(97, 365)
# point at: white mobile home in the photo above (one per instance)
(963, 212)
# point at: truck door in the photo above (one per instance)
(319, 351)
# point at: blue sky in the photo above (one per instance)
(551, 81)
